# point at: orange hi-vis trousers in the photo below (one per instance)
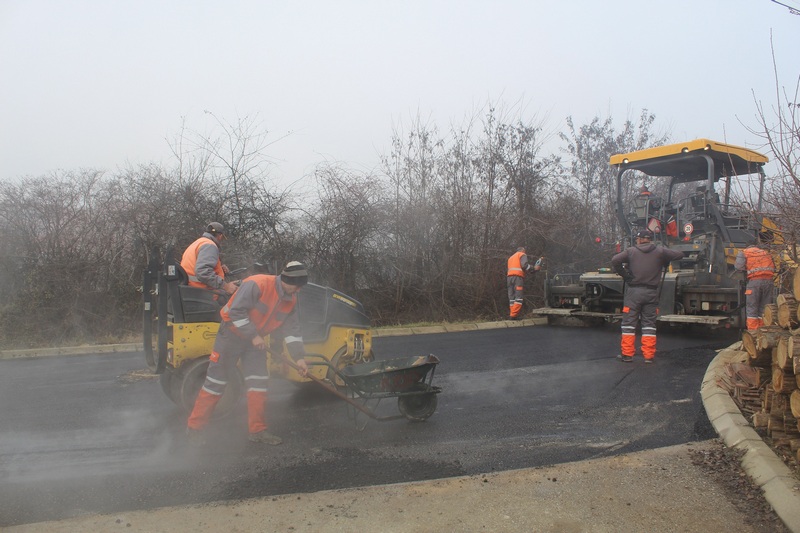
(515, 285)
(754, 323)
(758, 294)
(256, 411)
(228, 349)
(204, 409)
(640, 304)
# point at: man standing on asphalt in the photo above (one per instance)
(757, 262)
(202, 264)
(518, 264)
(641, 267)
(263, 305)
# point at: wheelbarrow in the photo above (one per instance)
(406, 378)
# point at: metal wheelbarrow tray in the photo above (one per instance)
(391, 377)
(406, 378)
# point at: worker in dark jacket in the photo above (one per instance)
(757, 263)
(518, 265)
(263, 305)
(641, 266)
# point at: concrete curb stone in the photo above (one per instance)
(777, 481)
(453, 328)
(378, 332)
(71, 350)
(421, 330)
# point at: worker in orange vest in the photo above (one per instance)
(518, 265)
(263, 305)
(202, 263)
(757, 263)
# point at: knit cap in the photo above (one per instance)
(294, 273)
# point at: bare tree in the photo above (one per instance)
(425, 239)
(225, 176)
(75, 243)
(589, 149)
(343, 237)
(65, 247)
(411, 170)
(778, 125)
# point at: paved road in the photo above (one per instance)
(93, 433)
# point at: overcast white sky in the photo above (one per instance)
(104, 83)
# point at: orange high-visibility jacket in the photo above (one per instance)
(266, 315)
(189, 262)
(515, 267)
(759, 263)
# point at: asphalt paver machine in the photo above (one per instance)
(703, 287)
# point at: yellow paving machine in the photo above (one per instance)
(702, 288)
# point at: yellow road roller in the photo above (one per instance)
(180, 325)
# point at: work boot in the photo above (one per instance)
(649, 361)
(625, 358)
(195, 437)
(265, 437)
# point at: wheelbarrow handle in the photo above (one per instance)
(328, 387)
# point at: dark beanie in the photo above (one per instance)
(294, 273)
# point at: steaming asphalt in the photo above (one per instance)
(95, 434)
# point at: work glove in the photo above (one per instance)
(229, 287)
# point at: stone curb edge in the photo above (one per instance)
(780, 486)
(72, 350)
(381, 332)
(453, 328)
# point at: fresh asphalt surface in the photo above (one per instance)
(94, 434)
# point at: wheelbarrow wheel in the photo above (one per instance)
(418, 407)
(189, 380)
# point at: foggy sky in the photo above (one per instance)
(103, 84)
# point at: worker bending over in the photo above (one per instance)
(263, 305)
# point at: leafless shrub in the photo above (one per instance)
(778, 125)
(425, 237)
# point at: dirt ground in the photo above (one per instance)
(724, 466)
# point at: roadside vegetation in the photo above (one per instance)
(423, 238)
